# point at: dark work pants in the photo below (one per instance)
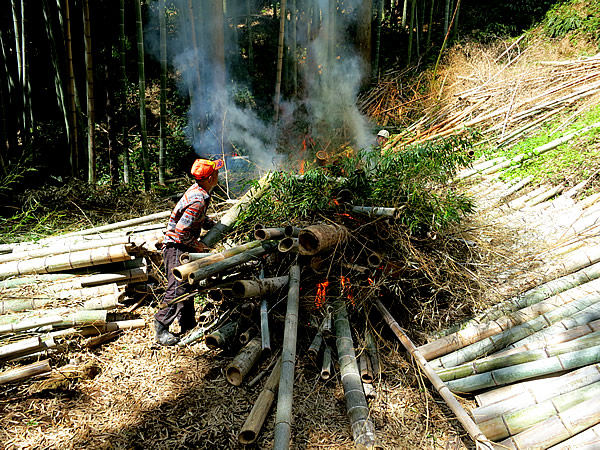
(183, 311)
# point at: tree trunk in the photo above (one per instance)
(429, 25)
(293, 49)
(378, 21)
(72, 99)
(163, 91)
(411, 32)
(279, 60)
(364, 30)
(123, 94)
(91, 154)
(142, 94)
(250, 37)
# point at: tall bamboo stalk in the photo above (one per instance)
(283, 419)
(363, 431)
(142, 93)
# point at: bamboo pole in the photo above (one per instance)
(28, 324)
(315, 345)
(24, 372)
(187, 257)
(255, 420)
(269, 233)
(586, 440)
(377, 211)
(320, 238)
(243, 362)
(66, 261)
(462, 416)
(288, 244)
(258, 288)
(494, 362)
(557, 428)
(265, 334)
(15, 282)
(513, 422)
(588, 305)
(366, 368)
(507, 375)
(221, 337)
(219, 266)
(291, 231)
(363, 430)
(371, 347)
(17, 348)
(215, 234)
(183, 271)
(326, 363)
(102, 338)
(283, 418)
(247, 335)
(78, 318)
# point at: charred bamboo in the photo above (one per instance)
(291, 231)
(366, 368)
(247, 335)
(320, 238)
(258, 288)
(363, 431)
(255, 420)
(283, 418)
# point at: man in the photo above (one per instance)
(187, 220)
(382, 137)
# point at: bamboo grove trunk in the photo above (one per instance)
(162, 12)
(91, 154)
(142, 93)
(279, 59)
(283, 419)
(362, 427)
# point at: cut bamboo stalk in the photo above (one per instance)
(187, 257)
(363, 430)
(377, 211)
(133, 275)
(8, 306)
(478, 332)
(269, 233)
(512, 397)
(517, 187)
(572, 310)
(101, 339)
(320, 238)
(28, 371)
(519, 372)
(78, 318)
(586, 440)
(255, 420)
(66, 261)
(315, 345)
(107, 302)
(557, 428)
(247, 335)
(98, 329)
(243, 362)
(533, 296)
(374, 260)
(366, 368)
(258, 288)
(326, 363)
(219, 266)
(369, 390)
(14, 282)
(288, 244)
(544, 196)
(373, 353)
(17, 348)
(221, 337)
(215, 234)
(291, 231)
(495, 361)
(183, 271)
(28, 324)
(265, 334)
(283, 418)
(462, 416)
(514, 422)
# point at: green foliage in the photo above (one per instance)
(579, 16)
(415, 179)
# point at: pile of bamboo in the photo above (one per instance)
(68, 287)
(533, 361)
(510, 102)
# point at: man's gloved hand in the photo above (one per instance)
(201, 247)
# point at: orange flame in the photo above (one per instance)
(301, 168)
(347, 289)
(321, 291)
(370, 280)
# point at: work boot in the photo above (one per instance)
(163, 337)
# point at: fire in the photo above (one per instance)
(301, 168)
(370, 280)
(321, 291)
(347, 289)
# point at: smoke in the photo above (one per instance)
(218, 123)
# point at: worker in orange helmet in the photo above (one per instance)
(187, 220)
